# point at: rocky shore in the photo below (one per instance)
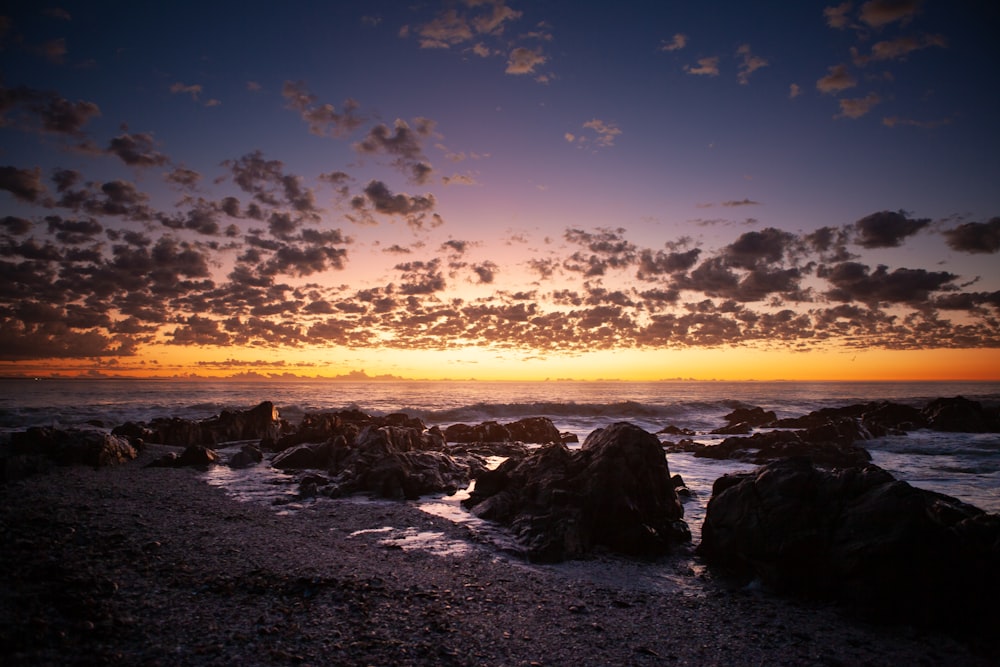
(130, 564)
(115, 550)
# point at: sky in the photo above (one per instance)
(501, 189)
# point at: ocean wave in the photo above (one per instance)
(484, 411)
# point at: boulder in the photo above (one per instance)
(248, 456)
(396, 463)
(323, 426)
(829, 445)
(753, 416)
(258, 423)
(960, 415)
(37, 448)
(887, 549)
(534, 430)
(614, 492)
(197, 456)
(309, 455)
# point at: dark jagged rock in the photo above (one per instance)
(753, 416)
(323, 426)
(259, 423)
(857, 535)
(248, 456)
(739, 428)
(828, 445)
(394, 462)
(670, 429)
(960, 415)
(516, 450)
(309, 455)
(614, 492)
(197, 456)
(533, 430)
(36, 449)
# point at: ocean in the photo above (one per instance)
(965, 466)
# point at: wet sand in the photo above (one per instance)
(154, 566)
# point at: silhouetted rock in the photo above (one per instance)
(886, 548)
(960, 415)
(753, 416)
(829, 445)
(197, 456)
(740, 428)
(259, 423)
(249, 455)
(614, 492)
(322, 426)
(533, 430)
(670, 429)
(36, 449)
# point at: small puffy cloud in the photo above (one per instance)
(705, 67)
(853, 281)
(523, 60)
(975, 237)
(55, 50)
(676, 43)
(878, 13)
(887, 229)
(136, 150)
(741, 202)
(47, 112)
(401, 140)
(837, 79)
(25, 184)
(794, 91)
(605, 134)
(836, 16)
(893, 121)
(858, 106)
(194, 90)
(459, 179)
(186, 178)
(323, 119)
(748, 64)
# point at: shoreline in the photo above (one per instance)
(135, 565)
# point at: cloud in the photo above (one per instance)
(25, 184)
(975, 237)
(897, 49)
(404, 142)
(741, 202)
(605, 132)
(47, 112)
(677, 42)
(186, 178)
(853, 281)
(323, 119)
(194, 90)
(452, 27)
(523, 60)
(136, 150)
(887, 229)
(893, 121)
(859, 106)
(879, 13)
(748, 64)
(838, 79)
(836, 16)
(794, 91)
(705, 67)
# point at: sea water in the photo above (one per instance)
(965, 466)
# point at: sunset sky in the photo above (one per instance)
(501, 189)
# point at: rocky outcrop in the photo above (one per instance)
(36, 449)
(322, 426)
(960, 415)
(830, 444)
(614, 492)
(259, 423)
(857, 535)
(195, 456)
(533, 430)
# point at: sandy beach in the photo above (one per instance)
(134, 565)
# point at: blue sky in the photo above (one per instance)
(320, 187)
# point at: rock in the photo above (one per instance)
(741, 428)
(258, 423)
(534, 430)
(395, 462)
(828, 445)
(959, 415)
(310, 455)
(65, 448)
(614, 492)
(248, 455)
(323, 426)
(670, 429)
(857, 535)
(753, 416)
(193, 456)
